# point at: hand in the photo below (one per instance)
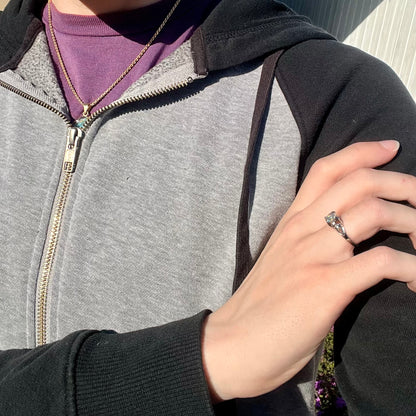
(307, 273)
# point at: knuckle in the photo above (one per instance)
(383, 257)
(412, 180)
(377, 209)
(322, 167)
(363, 176)
(294, 225)
(407, 181)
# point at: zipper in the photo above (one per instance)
(85, 122)
(76, 132)
(37, 101)
(72, 149)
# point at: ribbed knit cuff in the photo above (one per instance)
(155, 371)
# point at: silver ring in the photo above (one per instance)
(336, 222)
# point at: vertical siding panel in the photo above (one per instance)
(400, 47)
(360, 30)
(389, 13)
(337, 20)
(331, 6)
(368, 24)
(320, 11)
(376, 24)
(352, 12)
(394, 33)
(412, 78)
(341, 19)
(355, 12)
(409, 49)
(358, 6)
(329, 12)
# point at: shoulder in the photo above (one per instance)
(329, 59)
(324, 72)
(339, 94)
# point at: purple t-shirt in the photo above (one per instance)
(97, 49)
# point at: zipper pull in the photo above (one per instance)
(73, 146)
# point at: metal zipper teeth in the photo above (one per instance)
(37, 101)
(53, 237)
(141, 97)
(43, 285)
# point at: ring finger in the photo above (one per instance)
(361, 186)
(361, 222)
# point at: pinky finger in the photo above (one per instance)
(369, 268)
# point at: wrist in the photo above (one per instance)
(217, 346)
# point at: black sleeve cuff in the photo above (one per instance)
(155, 371)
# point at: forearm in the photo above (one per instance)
(152, 371)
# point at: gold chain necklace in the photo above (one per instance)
(87, 107)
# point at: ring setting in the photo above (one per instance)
(336, 223)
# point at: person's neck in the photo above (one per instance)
(97, 7)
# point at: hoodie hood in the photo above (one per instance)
(239, 31)
(236, 31)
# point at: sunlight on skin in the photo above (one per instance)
(93, 7)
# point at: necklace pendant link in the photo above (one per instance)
(87, 109)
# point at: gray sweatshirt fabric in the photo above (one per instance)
(149, 228)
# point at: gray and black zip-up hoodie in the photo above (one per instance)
(117, 231)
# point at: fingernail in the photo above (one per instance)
(390, 144)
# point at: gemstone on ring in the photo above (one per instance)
(336, 222)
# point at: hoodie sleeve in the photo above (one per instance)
(340, 95)
(155, 371)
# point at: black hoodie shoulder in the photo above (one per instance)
(340, 95)
(19, 24)
(238, 31)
